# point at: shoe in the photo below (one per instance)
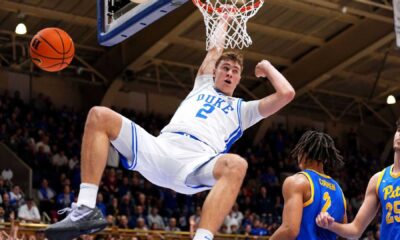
(80, 220)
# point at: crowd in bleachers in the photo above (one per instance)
(48, 140)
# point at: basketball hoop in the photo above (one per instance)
(239, 12)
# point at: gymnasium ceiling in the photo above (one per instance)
(340, 55)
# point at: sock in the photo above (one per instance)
(203, 234)
(88, 195)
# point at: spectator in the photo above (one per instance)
(111, 181)
(229, 223)
(194, 220)
(141, 224)
(124, 187)
(172, 225)
(139, 213)
(234, 227)
(59, 160)
(113, 208)
(258, 229)
(123, 222)
(46, 196)
(126, 205)
(265, 204)
(9, 209)
(65, 198)
(236, 214)
(2, 215)
(3, 187)
(155, 218)
(223, 229)
(29, 212)
(110, 220)
(100, 204)
(44, 142)
(16, 196)
(73, 162)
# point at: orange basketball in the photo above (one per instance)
(52, 49)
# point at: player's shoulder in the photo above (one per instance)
(378, 176)
(375, 180)
(297, 181)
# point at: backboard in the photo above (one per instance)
(119, 19)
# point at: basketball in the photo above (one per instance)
(52, 49)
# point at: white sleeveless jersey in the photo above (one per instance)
(212, 117)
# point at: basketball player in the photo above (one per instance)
(191, 153)
(383, 190)
(310, 191)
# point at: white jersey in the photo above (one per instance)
(212, 117)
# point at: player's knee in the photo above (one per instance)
(236, 166)
(96, 117)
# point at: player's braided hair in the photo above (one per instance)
(320, 147)
(398, 123)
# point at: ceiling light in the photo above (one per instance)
(391, 99)
(20, 29)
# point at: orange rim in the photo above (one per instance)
(210, 9)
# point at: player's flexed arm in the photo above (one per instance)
(284, 91)
(367, 212)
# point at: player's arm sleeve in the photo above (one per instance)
(250, 113)
(202, 80)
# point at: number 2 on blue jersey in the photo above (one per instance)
(207, 109)
(328, 202)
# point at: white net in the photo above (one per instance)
(239, 12)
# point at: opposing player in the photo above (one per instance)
(383, 190)
(310, 192)
(191, 153)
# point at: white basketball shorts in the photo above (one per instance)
(170, 160)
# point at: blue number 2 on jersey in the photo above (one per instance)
(207, 109)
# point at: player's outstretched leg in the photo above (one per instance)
(102, 125)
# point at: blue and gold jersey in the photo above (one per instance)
(388, 191)
(326, 196)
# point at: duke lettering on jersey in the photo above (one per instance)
(213, 117)
(216, 102)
